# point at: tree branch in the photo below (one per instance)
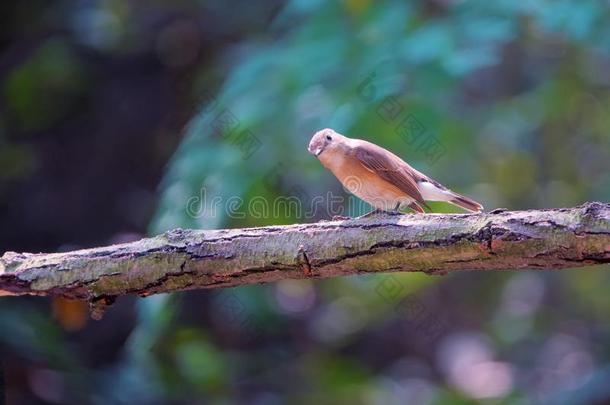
(433, 243)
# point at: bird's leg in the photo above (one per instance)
(376, 211)
(396, 210)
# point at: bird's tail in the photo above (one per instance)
(465, 202)
(433, 191)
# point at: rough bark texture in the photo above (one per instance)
(432, 243)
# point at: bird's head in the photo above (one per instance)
(325, 140)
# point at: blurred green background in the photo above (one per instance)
(120, 119)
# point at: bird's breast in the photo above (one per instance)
(364, 183)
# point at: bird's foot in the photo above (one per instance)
(379, 212)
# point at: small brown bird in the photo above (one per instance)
(378, 176)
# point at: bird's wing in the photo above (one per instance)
(389, 167)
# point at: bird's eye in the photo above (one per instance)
(329, 138)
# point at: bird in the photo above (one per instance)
(379, 177)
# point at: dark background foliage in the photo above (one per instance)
(124, 118)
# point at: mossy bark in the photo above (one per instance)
(433, 243)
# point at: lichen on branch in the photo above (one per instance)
(431, 243)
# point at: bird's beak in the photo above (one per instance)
(315, 151)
